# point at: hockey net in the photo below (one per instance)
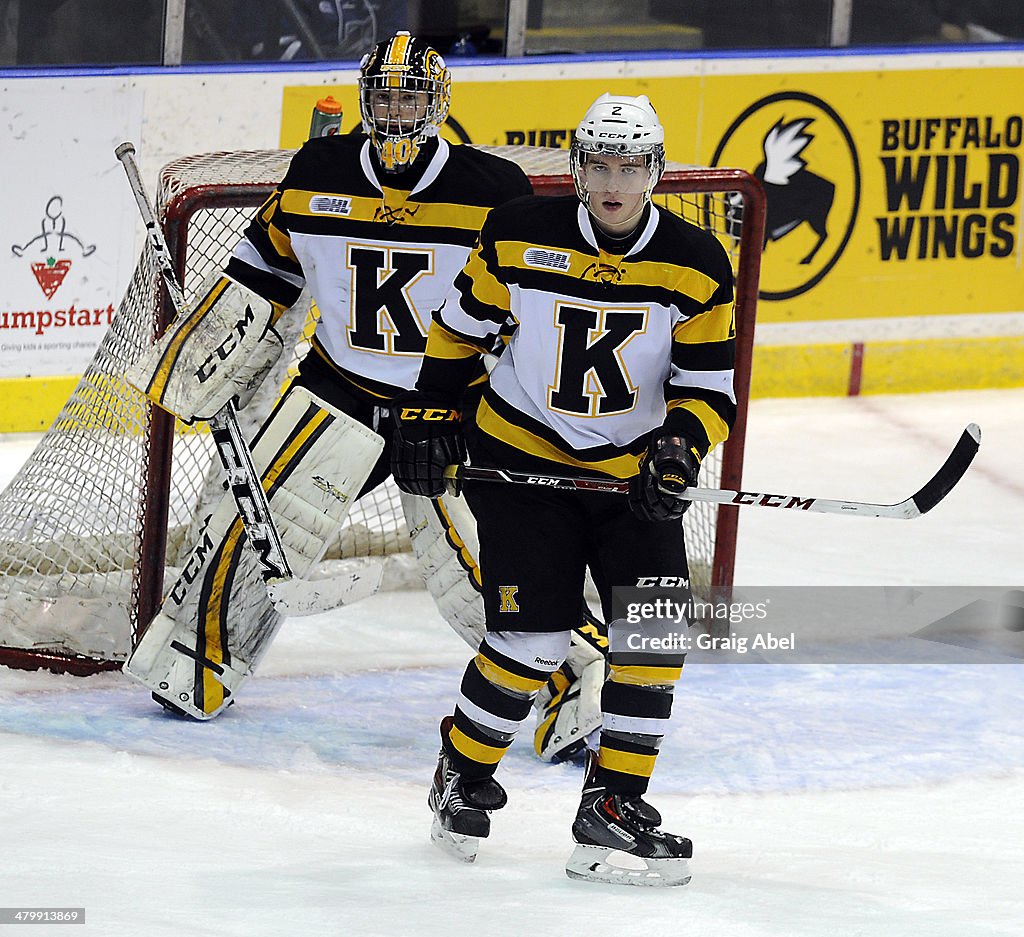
(108, 503)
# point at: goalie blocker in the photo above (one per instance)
(216, 351)
(313, 460)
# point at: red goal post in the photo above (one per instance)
(85, 558)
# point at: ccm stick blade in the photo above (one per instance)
(934, 490)
(953, 469)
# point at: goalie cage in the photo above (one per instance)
(105, 508)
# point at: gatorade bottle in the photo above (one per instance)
(326, 118)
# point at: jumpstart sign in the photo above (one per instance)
(67, 231)
(892, 190)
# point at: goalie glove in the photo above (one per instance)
(669, 468)
(217, 351)
(428, 438)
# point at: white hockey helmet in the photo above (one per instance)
(404, 94)
(618, 125)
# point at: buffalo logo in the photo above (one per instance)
(795, 194)
(806, 159)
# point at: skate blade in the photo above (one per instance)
(464, 848)
(612, 867)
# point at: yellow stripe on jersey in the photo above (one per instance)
(487, 288)
(364, 208)
(158, 386)
(267, 209)
(506, 679)
(715, 325)
(576, 265)
(626, 762)
(441, 343)
(281, 243)
(474, 750)
(715, 427)
(623, 466)
(635, 675)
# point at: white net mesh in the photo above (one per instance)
(75, 562)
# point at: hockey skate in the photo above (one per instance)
(618, 842)
(461, 806)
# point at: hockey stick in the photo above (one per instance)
(933, 491)
(289, 594)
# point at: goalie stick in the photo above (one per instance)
(289, 594)
(933, 491)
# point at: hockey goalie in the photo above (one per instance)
(375, 226)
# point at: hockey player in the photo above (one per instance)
(617, 319)
(376, 226)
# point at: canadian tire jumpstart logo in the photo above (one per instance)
(806, 159)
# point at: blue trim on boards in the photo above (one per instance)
(218, 68)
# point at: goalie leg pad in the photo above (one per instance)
(569, 721)
(443, 535)
(217, 350)
(313, 460)
(216, 621)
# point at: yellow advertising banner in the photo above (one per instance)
(890, 193)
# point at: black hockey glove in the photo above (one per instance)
(669, 467)
(427, 439)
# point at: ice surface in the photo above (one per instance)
(823, 801)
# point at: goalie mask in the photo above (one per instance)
(404, 93)
(624, 127)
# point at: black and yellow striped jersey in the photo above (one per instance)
(377, 252)
(601, 348)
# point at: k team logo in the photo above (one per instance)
(509, 599)
(803, 153)
(330, 205)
